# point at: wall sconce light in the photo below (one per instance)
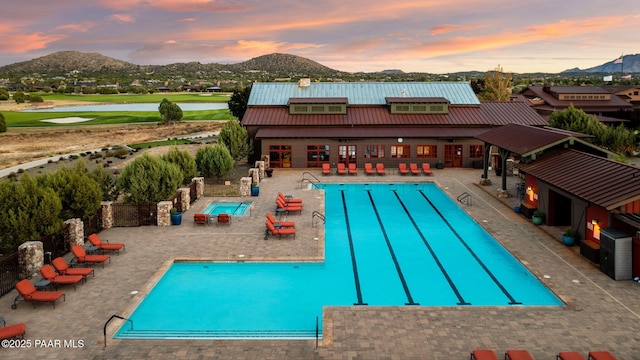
(594, 221)
(400, 140)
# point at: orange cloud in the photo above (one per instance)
(21, 42)
(81, 27)
(177, 6)
(446, 28)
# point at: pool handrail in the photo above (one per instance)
(313, 180)
(104, 329)
(317, 214)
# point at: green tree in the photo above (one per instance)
(29, 212)
(185, 162)
(234, 136)
(149, 179)
(238, 102)
(169, 111)
(19, 97)
(214, 161)
(3, 124)
(106, 181)
(79, 194)
(497, 86)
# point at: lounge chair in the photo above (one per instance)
(569, 355)
(353, 170)
(282, 207)
(82, 257)
(95, 240)
(224, 219)
(13, 331)
(426, 169)
(380, 169)
(341, 169)
(414, 169)
(517, 355)
(600, 355)
(483, 355)
(288, 199)
(49, 273)
(368, 169)
(280, 224)
(326, 169)
(28, 292)
(63, 268)
(275, 231)
(201, 219)
(402, 169)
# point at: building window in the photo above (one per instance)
(374, 151)
(427, 151)
(280, 156)
(317, 155)
(400, 151)
(476, 151)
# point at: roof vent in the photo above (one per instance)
(404, 93)
(304, 82)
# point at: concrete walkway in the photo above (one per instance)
(600, 313)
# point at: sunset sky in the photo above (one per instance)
(435, 36)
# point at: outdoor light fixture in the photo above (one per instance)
(400, 140)
(594, 221)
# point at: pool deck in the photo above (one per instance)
(600, 313)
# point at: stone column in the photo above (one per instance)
(260, 167)
(245, 186)
(199, 187)
(185, 198)
(164, 213)
(255, 175)
(75, 232)
(107, 214)
(266, 161)
(30, 258)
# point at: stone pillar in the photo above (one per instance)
(75, 232)
(163, 212)
(185, 198)
(30, 258)
(485, 182)
(260, 167)
(245, 186)
(266, 161)
(199, 187)
(254, 175)
(502, 193)
(107, 214)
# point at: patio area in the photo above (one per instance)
(600, 313)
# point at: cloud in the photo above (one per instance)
(78, 27)
(177, 6)
(15, 40)
(446, 28)
(126, 18)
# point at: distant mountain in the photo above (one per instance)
(90, 64)
(630, 64)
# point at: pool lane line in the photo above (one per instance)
(512, 301)
(354, 264)
(393, 254)
(461, 300)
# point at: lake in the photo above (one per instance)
(132, 107)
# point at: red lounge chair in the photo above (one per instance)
(569, 355)
(600, 355)
(483, 355)
(353, 170)
(426, 169)
(517, 355)
(201, 219)
(326, 169)
(274, 231)
(368, 169)
(13, 331)
(82, 257)
(224, 219)
(414, 169)
(287, 208)
(288, 199)
(380, 169)
(63, 268)
(341, 169)
(49, 273)
(28, 292)
(402, 169)
(95, 240)
(281, 224)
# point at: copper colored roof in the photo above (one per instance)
(604, 182)
(367, 132)
(553, 103)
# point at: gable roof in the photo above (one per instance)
(362, 93)
(553, 103)
(601, 181)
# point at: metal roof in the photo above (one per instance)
(368, 132)
(604, 182)
(330, 100)
(553, 103)
(361, 93)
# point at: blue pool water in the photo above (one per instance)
(386, 245)
(231, 208)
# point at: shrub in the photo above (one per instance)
(149, 179)
(3, 124)
(184, 161)
(214, 161)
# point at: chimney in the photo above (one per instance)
(546, 87)
(304, 82)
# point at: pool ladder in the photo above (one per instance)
(104, 329)
(465, 198)
(309, 178)
(315, 215)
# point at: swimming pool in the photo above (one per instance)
(231, 208)
(386, 245)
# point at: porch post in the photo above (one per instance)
(504, 154)
(485, 160)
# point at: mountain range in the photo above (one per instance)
(275, 65)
